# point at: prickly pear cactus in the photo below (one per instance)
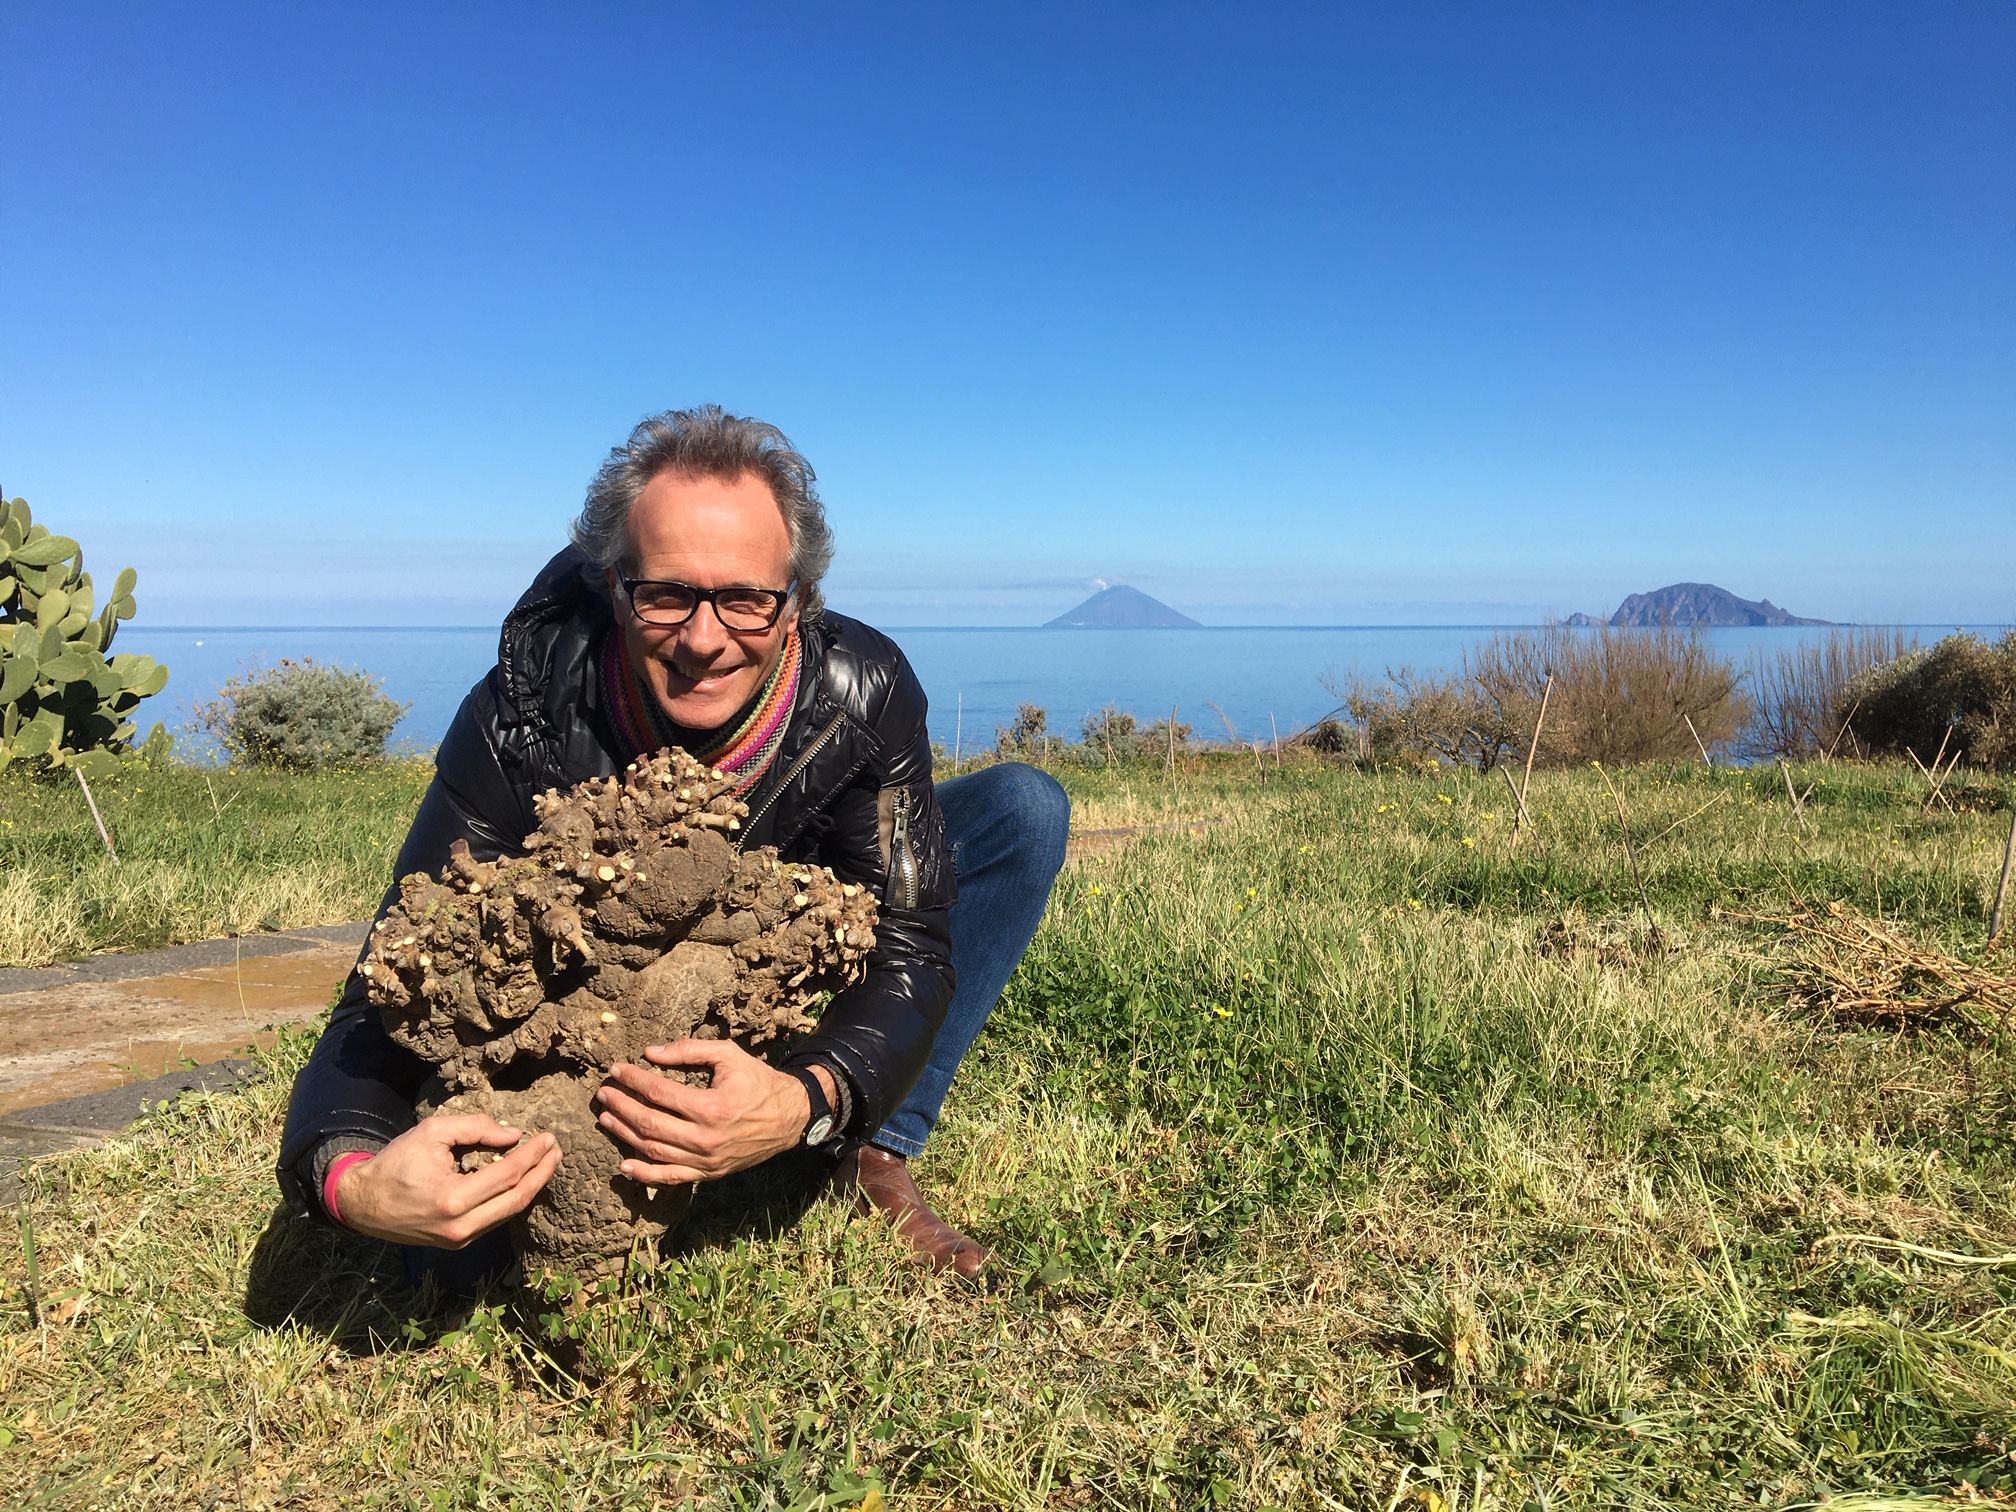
(61, 695)
(633, 920)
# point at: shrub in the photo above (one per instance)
(1619, 695)
(1027, 736)
(1111, 734)
(302, 716)
(1329, 736)
(1411, 716)
(1158, 737)
(1801, 697)
(1961, 694)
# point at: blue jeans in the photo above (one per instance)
(1006, 825)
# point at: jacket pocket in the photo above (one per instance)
(895, 808)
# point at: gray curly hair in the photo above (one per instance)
(708, 442)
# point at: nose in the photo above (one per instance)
(703, 635)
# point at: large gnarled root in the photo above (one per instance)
(631, 921)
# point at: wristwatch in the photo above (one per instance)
(819, 1124)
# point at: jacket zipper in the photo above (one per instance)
(791, 775)
(904, 883)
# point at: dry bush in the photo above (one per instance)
(1803, 696)
(1960, 695)
(1412, 716)
(1620, 695)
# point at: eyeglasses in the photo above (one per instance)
(667, 604)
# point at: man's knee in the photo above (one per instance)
(1040, 807)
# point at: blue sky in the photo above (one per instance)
(1326, 314)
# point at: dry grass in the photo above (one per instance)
(202, 853)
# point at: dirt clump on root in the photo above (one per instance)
(632, 920)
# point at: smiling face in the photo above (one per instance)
(712, 533)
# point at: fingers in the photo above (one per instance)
(648, 1087)
(459, 1232)
(696, 1052)
(667, 1174)
(655, 1135)
(469, 1129)
(488, 1182)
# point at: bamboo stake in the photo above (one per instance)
(1277, 738)
(1934, 785)
(1705, 760)
(1718, 798)
(95, 818)
(1644, 901)
(1798, 808)
(1842, 731)
(1172, 748)
(1932, 777)
(1939, 782)
(1520, 816)
(1532, 750)
(2002, 887)
(958, 730)
(1258, 765)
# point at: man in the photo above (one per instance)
(688, 613)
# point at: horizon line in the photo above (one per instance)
(130, 627)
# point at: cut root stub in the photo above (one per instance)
(631, 920)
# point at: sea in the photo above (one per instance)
(1226, 683)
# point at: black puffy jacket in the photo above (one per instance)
(854, 754)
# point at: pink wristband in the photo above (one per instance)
(337, 1167)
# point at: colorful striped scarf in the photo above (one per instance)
(744, 751)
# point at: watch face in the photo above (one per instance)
(821, 1131)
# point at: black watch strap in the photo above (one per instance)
(820, 1124)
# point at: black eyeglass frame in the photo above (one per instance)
(708, 596)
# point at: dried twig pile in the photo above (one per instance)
(1848, 964)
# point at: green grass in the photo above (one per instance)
(1334, 1162)
(202, 854)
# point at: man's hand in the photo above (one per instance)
(751, 1112)
(411, 1192)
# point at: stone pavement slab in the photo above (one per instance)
(78, 1122)
(70, 1030)
(124, 966)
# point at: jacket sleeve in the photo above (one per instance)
(880, 1031)
(358, 1083)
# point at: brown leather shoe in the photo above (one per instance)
(881, 1184)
